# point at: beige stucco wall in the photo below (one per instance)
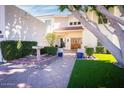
(72, 19)
(71, 34)
(43, 19)
(89, 39)
(60, 22)
(109, 35)
(20, 25)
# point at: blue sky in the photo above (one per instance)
(39, 10)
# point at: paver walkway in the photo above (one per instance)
(55, 75)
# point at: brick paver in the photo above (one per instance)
(55, 75)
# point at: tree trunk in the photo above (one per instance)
(120, 61)
(114, 20)
(120, 35)
(116, 52)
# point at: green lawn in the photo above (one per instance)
(105, 57)
(90, 73)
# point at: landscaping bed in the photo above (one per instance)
(105, 57)
(92, 73)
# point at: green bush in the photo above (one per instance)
(89, 51)
(15, 49)
(100, 49)
(107, 51)
(50, 50)
(42, 51)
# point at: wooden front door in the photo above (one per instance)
(76, 43)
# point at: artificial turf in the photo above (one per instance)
(93, 74)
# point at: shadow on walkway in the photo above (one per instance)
(54, 75)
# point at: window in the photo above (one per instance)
(100, 21)
(48, 22)
(79, 23)
(75, 23)
(71, 23)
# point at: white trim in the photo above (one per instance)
(67, 31)
(2, 20)
(2, 27)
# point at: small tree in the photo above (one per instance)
(51, 38)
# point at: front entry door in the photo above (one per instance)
(76, 43)
(62, 43)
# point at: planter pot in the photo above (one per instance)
(60, 52)
(80, 54)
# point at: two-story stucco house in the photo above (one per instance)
(70, 31)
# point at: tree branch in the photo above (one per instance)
(92, 22)
(109, 15)
(106, 26)
(102, 38)
(105, 41)
(121, 10)
(120, 35)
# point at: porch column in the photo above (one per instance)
(68, 43)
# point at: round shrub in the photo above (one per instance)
(100, 49)
(89, 51)
(50, 50)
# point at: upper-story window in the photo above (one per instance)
(79, 23)
(71, 23)
(111, 10)
(74, 23)
(101, 20)
(48, 22)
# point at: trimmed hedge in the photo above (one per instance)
(89, 51)
(100, 49)
(42, 51)
(15, 49)
(50, 50)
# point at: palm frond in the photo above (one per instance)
(63, 7)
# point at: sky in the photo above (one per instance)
(40, 10)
